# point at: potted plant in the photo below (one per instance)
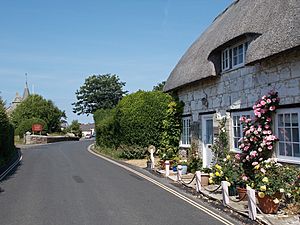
(205, 176)
(271, 181)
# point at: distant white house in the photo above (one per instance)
(87, 129)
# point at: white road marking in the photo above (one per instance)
(177, 194)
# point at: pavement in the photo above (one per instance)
(240, 207)
(63, 183)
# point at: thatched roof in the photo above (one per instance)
(276, 24)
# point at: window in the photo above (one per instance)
(237, 127)
(234, 56)
(288, 131)
(185, 136)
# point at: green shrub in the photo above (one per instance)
(107, 129)
(132, 152)
(140, 117)
(26, 125)
(7, 148)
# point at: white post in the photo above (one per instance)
(225, 193)
(198, 181)
(179, 172)
(251, 203)
(167, 168)
(152, 159)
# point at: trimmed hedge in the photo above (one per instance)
(107, 128)
(140, 117)
(26, 125)
(7, 147)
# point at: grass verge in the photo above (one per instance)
(112, 153)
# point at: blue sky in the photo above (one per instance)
(61, 42)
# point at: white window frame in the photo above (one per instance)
(281, 158)
(233, 126)
(230, 58)
(185, 140)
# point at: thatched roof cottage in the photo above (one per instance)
(252, 47)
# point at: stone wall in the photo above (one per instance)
(239, 89)
(39, 139)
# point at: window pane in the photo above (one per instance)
(295, 135)
(241, 49)
(236, 142)
(281, 149)
(296, 150)
(280, 120)
(209, 131)
(295, 122)
(287, 120)
(289, 151)
(281, 134)
(241, 59)
(287, 134)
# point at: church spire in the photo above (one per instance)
(26, 89)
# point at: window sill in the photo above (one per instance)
(235, 150)
(233, 69)
(291, 161)
(184, 146)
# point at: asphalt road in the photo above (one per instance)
(62, 183)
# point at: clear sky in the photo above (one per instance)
(61, 42)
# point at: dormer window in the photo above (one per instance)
(234, 56)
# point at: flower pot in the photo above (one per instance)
(232, 190)
(184, 169)
(242, 192)
(267, 205)
(174, 168)
(204, 179)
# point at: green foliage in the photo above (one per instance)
(140, 116)
(194, 164)
(75, 128)
(26, 125)
(159, 86)
(7, 147)
(220, 147)
(98, 92)
(107, 128)
(132, 152)
(171, 129)
(35, 106)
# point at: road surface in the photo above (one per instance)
(63, 183)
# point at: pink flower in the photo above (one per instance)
(270, 147)
(262, 103)
(274, 99)
(244, 178)
(254, 163)
(272, 108)
(259, 129)
(263, 170)
(269, 119)
(246, 148)
(237, 156)
(253, 153)
(267, 127)
(258, 105)
(269, 132)
(269, 101)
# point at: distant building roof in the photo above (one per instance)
(87, 127)
(275, 24)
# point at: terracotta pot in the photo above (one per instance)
(242, 192)
(267, 205)
(204, 179)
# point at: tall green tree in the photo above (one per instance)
(75, 128)
(159, 86)
(98, 92)
(35, 106)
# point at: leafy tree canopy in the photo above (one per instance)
(98, 92)
(75, 128)
(159, 86)
(35, 106)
